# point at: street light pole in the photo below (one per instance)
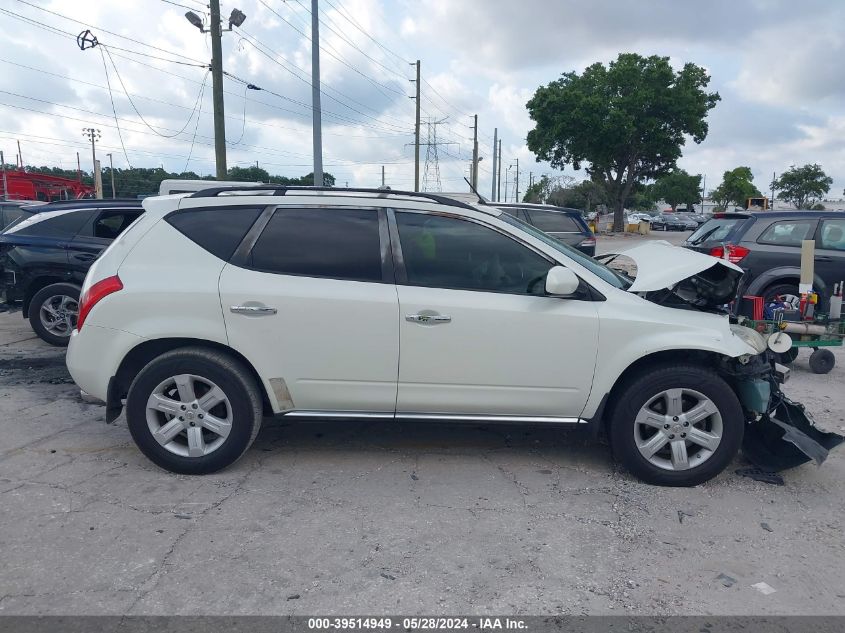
(315, 95)
(217, 90)
(111, 173)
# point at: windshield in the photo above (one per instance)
(715, 230)
(597, 268)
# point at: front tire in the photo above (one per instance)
(53, 312)
(193, 410)
(677, 425)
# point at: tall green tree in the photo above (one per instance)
(676, 188)
(628, 121)
(736, 187)
(803, 186)
(586, 195)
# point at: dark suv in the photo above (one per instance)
(768, 246)
(44, 259)
(566, 225)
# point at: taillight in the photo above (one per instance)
(735, 253)
(94, 294)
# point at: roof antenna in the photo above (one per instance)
(475, 191)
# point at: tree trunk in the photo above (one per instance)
(619, 215)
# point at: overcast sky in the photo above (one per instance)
(776, 64)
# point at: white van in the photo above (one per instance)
(168, 187)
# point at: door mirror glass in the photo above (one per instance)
(561, 282)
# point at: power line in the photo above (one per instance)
(138, 112)
(125, 37)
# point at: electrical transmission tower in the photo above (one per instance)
(431, 172)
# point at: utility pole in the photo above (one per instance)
(78, 168)
(20, 153)
(382, 175)
(703, 191)
(217, 89)
(516, 183)
(499, 184)
(315, 95)
(474, 177)
(772, 201)
(93, 134)
(111, 173)
(495, 164)
(417, 132)
(5, 183)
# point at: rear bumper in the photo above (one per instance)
(94, 355)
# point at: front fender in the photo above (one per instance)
(643, 329)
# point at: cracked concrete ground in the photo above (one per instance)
(343, 518)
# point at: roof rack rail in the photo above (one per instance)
(281, 190)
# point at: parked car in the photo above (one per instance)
(566, 225)
(13, 210)
(633, 218)
(44, 258)
(698, 218)
(215, 309)
(672, 222)
(767, 245)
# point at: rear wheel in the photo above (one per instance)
(788, 293)
(53, 312)
(194, 410)
(678, 425)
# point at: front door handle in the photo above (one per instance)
(253, 310)
(428, 318)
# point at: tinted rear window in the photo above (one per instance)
(716, 230)
(554, 222)
(334, 243)
(218, 230)
(63, 225)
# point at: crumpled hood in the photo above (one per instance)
(701, 279)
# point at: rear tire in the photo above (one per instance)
(788, 291)
(53, 312)
(650, 413)
(194, 410)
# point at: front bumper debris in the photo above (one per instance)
(786, 437)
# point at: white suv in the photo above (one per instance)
(217, 308)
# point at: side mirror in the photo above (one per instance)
(561, 281)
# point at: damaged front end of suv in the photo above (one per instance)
(780, 433)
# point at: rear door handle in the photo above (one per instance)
(85, 257)
(253, 310)
(428, 318)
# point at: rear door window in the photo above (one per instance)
(328, 243)
(788, 232)
(109, 224)
(832, 235)
(554, 222)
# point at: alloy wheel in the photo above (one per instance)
(189, 415)
(58, 314)
(678, 429)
